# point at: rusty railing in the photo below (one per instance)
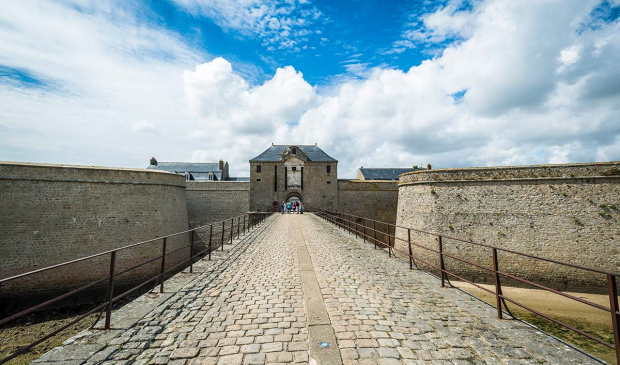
(388, 231)
(244, 224)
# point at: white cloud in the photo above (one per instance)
(515, 107)
(145, 127)
(106, 77)
(280, 23)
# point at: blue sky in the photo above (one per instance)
(345, 33)
(394, 83)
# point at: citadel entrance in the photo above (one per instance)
(293, 197)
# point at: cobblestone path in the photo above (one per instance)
(298, 280)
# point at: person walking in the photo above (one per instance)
(288, 208)
(282, 208)
(301, 208)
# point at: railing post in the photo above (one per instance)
(163, 268)
(238, 223)
(615, 317)
(223, 229)
(441, 263)
(349, 222)
(232, 226)
(498, 285)
(108, 311)
(364, 224)
(244, 224)
(210, 239)
(355, 229)
(389, 242)
(374, 229)
(191, 251)
(410, 251)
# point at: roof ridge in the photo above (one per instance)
(188, 162)
(381, 168)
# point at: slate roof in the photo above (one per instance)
(314, 153)
(384, 173)
(238, 179)
(183, 167)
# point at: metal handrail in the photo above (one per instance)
(347, 221)
(254, 219)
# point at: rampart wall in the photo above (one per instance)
(56, 213)
(214, 201)
(369, 198)
(567, 213)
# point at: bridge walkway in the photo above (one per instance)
(272, 297)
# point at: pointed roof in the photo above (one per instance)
(274, 153)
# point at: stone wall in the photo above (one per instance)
(54, 213)
(214, 201)
(567, 213)
(369, 198)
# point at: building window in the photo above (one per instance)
(329, 169)
(294, 151)
(294, 168)
(329, 182)
(210, 177)
(258, 180)
(258, 169)
(187, 178)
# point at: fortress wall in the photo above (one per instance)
(568, 213)
(369, 198)
(55, 213)
(216, 200)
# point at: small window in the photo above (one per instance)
(258, 169)
(187, 177)
(259, 180)
(294, 168)
(294, 151)
(211, 177)
(329, 182)
(329, 169)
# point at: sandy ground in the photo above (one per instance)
(589, 319)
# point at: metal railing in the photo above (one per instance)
(388, 237)
(244, 223)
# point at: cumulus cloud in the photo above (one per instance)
(524, 83)
(535, 86)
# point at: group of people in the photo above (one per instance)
(292, 207)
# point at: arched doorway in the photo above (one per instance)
(293, 197)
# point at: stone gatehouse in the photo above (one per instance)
(284, 172)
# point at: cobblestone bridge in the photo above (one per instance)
(295, 282)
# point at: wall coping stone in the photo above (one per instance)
(596, 170)
(26, 171)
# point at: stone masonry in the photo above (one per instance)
(216, 200)
(567, 213)
(254, 304)
(56, 213)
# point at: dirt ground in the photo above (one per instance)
(583, 317)
(29, 329)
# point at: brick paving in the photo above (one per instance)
(248, 307)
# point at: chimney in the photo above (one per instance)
(153, 161)
(428, 166)
(221, 165)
